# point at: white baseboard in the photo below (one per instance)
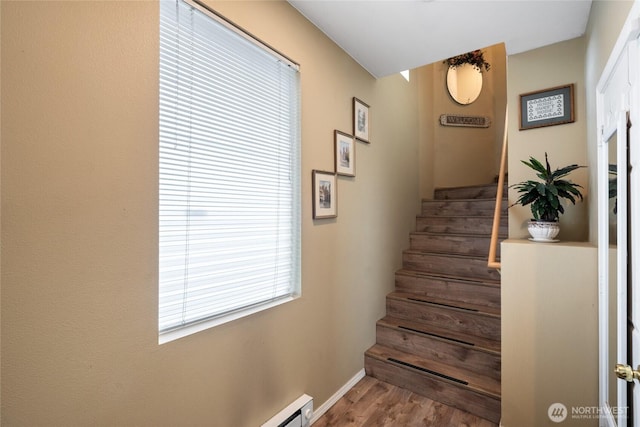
(317, 413)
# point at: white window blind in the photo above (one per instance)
(229, 220)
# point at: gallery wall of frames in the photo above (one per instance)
(325, 183)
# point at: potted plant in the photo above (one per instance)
(544, 197)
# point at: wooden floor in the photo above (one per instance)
(375, 403)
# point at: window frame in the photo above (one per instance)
(176, 332)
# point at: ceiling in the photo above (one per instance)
(389, 36)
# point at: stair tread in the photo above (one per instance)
(478, 383)
(460, 187)
(478, 281)
(473, 266)
(465, 224)
(447, 254)
(423, 215)
(462, 217)
(435, 388)
(422, 274)
(433, 252)
(460, 338)
(478, 199)
(452, 243)
(443, 234)
(447, 303)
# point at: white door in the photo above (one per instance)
(619, 233)
(633, 241)
(612, 271)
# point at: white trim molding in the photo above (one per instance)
(337, 395)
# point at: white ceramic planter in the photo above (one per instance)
(543, 231)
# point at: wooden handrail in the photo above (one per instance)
(495, 230)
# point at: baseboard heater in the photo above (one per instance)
(297, 414)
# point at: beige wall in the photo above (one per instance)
(426, 126)
(550, 66)
(79, 228)
(458, 156)
(549, 317)
(581, 61)
(549, 331)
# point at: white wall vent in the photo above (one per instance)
(297, 414)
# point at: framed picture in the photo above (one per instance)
(345, 153)
(360, 120)
(325, 195)
(547, 107)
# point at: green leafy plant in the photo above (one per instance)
(544, 196)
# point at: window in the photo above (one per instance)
(229, 173)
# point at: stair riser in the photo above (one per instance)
(470, 322)
(460, 207)
(449, 352)
(447, 289)
(461, 225)
(432, 387)
(479, 192)
(461, 245)
(451, 266)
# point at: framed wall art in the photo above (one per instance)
(325, 194)
(360, 120)
(547, 107)
(345, 154)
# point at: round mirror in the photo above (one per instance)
(464, 83)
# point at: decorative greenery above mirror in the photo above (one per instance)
(474, 58)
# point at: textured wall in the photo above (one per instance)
(549, 331)
(543, 68)
(458, 156)
(79, 227)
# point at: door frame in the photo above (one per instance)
(605, 365)
(612, 117)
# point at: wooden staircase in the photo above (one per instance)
(441, 335)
